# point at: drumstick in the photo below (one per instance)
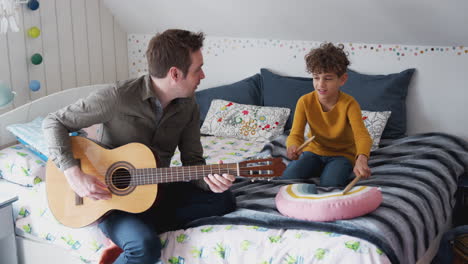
(305, 143)
(351, 184)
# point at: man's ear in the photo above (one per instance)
(174, 74)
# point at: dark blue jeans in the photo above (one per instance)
(333, 171)
(177, 205)
(445, 253)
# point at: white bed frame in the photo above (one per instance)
(33, 252)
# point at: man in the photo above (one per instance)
(158, 110)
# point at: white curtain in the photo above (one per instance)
(9, 16)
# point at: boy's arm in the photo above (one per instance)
(296, 137)
(362, 138)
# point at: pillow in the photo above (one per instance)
(375, 123)
(284, 91)
(20, 165)
(382, 93)
(246, 91)
(247, 122)
(31, 135)
(302, 202)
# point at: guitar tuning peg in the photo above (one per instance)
(269, 179)
(252, 180)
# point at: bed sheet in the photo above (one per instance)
(204, 243)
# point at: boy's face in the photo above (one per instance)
(328, 85)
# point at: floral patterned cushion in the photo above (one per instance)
(248, 122)
(375, 123)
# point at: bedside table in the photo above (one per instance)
(8, 252)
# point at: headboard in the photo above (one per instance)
(41, 107)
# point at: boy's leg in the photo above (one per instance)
(309, 165)
(336, 171)
(139, 241)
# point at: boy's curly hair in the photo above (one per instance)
(327, 58)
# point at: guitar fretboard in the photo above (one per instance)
(178, 174)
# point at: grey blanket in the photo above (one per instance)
(418, 177)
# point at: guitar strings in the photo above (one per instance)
(149, 177)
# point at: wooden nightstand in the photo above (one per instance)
(8, 252)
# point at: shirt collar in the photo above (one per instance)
(148, 92)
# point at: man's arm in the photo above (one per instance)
(191, 153)
(96, 108)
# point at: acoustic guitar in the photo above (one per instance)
(131, 175)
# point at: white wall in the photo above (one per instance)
(436, 98)
(415, 22)
(81, 44)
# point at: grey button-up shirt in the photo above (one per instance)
(129, 112)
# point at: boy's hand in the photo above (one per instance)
(219, 183)
(292, 152)
(361, 168)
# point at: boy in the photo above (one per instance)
(341, 138)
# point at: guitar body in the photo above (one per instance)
(110, 167)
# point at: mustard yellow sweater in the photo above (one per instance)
(338, 132)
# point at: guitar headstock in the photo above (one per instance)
(262, 168)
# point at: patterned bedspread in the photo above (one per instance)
(418, 178)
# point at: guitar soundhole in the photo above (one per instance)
(121, 178)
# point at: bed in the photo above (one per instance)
(417, 175)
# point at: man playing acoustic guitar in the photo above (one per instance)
(159, 111)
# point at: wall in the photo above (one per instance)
(81, 43)
(436, 97)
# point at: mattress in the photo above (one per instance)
(201, 244)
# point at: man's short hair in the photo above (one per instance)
(172, 48)
(327, 58)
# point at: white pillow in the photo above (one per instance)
(375, 123)
(31, 135)
(247, 122)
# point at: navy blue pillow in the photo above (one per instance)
(246, 91)
(283, 91)
(382, 93)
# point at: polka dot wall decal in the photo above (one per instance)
(219, 47)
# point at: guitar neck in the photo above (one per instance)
(180, 174)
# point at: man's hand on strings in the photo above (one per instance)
(219, 183)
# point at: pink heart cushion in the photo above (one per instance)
(296, 200)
